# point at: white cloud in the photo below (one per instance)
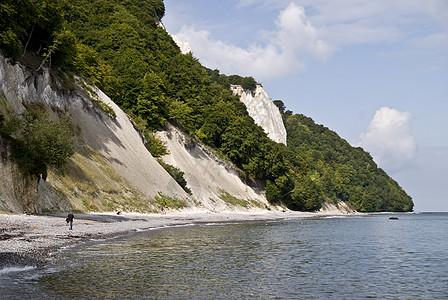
(416, 29)
(388, 139)
(294, 41)
(350, 22)
(358, 21)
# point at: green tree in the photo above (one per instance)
(39, 142)
(305, 195)
(29, 24)
(152, 104)
(338, 171)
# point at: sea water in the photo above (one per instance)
(328, 258)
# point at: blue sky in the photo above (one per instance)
(376, 72)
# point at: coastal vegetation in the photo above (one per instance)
(176, 173)
(38, 141)
(336, 170)
(119, 46)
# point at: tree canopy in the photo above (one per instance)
(340, 171)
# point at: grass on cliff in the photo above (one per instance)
(234, 201)
(170, 203)
(91, 185)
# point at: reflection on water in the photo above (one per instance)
(348, 258)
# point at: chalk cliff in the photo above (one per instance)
(111, 169)
(184, 46)
(264, 112)
(111, 163)
(259, 105)
(213, 182)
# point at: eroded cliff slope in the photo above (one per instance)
(213, 182)
(111, 168)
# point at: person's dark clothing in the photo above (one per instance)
(69, 220)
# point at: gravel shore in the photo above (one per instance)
(35, 240)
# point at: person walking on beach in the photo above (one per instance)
(69, 220)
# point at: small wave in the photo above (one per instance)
(165, 227)
(8, 270)
(179, 225)
(219, 224)
(335, 217)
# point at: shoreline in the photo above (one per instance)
(37, 240)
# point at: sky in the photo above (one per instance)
(375, 72)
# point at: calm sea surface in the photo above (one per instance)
(331, 258)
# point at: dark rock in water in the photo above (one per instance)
(393, 218)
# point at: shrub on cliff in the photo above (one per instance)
(176, 173)
(38, 142)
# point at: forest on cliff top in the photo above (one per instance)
(119, 46)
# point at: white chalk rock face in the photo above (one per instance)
(208, 177)
(184, 46)
(264, 112)
(114, 138)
